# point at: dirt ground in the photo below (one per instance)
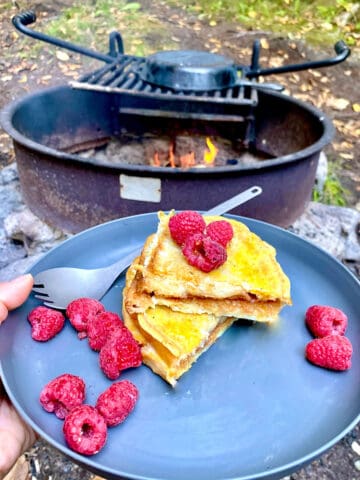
(334, 90)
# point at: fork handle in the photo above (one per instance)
(124, 262)
(235, 201)
(220, 209)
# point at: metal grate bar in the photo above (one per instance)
(117, 67)
(114, 77)
(122, 76)
(128, 84)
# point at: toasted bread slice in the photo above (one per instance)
(250, 272)
(138, 301)
(172, 341)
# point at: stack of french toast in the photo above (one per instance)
(176, 311)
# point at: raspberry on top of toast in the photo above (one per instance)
(250, 271)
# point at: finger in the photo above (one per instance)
(15, 292)
(3, 312)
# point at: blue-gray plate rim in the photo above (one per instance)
(250, 408)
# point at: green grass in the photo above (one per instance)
(316, 21)
(88, 23)
(332, 193)
(320, 22)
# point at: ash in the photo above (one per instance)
(183, 151)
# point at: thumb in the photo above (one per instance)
(15, 292)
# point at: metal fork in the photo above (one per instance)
(57, 287)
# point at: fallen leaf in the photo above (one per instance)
(62, 56)
(294, 78)
(73, 66)
(327, 26)
(314, 72)
(356, 107)
(276, 62)
(304, 87)
(346, 156)
(338, 103)
(342, 146)
(45, 79)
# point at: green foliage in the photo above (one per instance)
(89, 23)
(332, 193)
(317, 21)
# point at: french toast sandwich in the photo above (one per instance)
(176, 311)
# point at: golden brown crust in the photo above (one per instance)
(160, 359)
(251, 269)
(138, 301)
(176, 312)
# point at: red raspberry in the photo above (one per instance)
(323, 320)
(120, 352)
(101, 328)
(203, 253)
(117, 402)
(45, 323)
(184, 224)
(85, 430)
(81, 311)
(333, 352)
(62, 394)
(220, 231)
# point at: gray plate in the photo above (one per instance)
(252, 407)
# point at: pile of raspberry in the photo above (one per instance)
(105, 331)
(203, 246)
(330, 348)
(85, 426)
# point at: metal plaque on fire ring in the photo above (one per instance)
(144, 189)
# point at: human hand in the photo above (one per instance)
(15, 436)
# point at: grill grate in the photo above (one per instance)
(123, 76)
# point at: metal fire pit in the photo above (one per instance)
(74, 193)
(200, 90)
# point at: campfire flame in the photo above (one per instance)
(187, 160)
(156, 161)
(170, 158)
(210, 155)
(171, 155)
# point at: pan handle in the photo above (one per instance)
(341, 49)
(28, 17)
